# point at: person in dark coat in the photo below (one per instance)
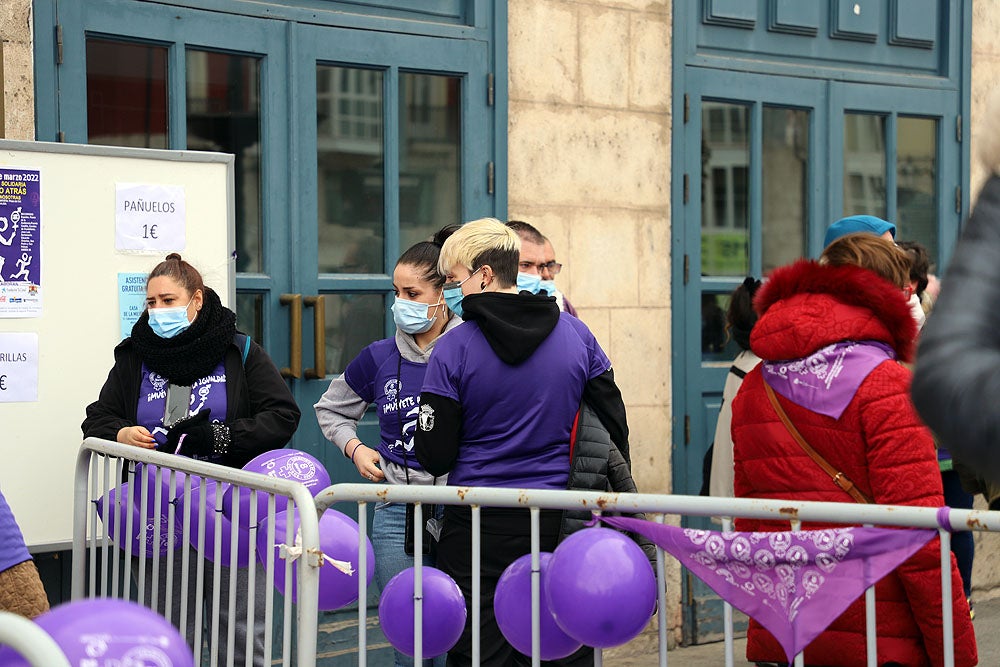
(238, 407)
(957, 375)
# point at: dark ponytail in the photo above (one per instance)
(424, 256)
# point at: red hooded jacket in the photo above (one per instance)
(878, 442)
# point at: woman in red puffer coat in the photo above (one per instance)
(810, 314)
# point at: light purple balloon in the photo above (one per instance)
(512, 605)
(212, 518)
(114, 512)
(167, 494)
(338, 539)
(282, 463)
(443, 612)
(106, 631)
(600, 587)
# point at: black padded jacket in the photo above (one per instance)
(598, 465)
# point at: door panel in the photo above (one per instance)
(747, 217)
(392, 129)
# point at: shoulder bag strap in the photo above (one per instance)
(839, 478)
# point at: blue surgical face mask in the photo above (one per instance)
(528, 282)
(547, 286)
(412, 316)
(168, 322)
(453, 296)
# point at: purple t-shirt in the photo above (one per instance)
(381, 376)
(208, 392)
(12, 548)
(516, 420)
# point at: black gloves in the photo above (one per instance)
(197, 437)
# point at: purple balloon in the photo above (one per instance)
(443, 612)
(167, 494)
(282, 463)
(106, 631)
(213, 518)
(114, 512)
(512, 605)
(338, 539)
(600, 587)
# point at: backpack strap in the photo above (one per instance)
(242, 341)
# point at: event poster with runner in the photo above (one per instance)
(20, 243)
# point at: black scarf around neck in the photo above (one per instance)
(193, 353)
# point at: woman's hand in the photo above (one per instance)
(366, 460)
(137, 436)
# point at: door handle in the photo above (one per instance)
(294, 303)
(318, 304)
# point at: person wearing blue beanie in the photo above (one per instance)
(859, 224)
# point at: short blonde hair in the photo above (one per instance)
(481, 242)
(870, 252)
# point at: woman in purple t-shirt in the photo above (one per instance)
(389, 374)
(497, 409)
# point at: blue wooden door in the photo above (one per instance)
(351, 144)
(393, 140)
(353, 140)
(752, 188)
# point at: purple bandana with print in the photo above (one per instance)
(827, 379)
(795, 584)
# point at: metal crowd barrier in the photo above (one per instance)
(657, 508)
(101, 569)
(34, 644)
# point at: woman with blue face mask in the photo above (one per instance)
(186, 382)
(390, 374)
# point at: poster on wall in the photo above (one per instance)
(18, 367)
(149, 217)
(131, 300)
(20, 242)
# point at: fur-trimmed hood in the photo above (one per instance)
(807, 306)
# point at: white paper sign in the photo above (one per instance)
(18, 367)
(149, 217)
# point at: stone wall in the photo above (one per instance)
(18, 102)
(589, 165)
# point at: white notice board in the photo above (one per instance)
(78, 322)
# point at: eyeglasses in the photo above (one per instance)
(552, 267)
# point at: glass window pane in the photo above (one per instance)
(350, 159)
(864, 164)
(429, 149)
(352, 322)
(716, 342)
(785, 157)
(126, 94)
(725, 154)
(223, 114)
(916, 182)
(250, 315)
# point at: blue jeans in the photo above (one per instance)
(388, 529)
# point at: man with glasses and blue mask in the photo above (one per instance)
(537, 267)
